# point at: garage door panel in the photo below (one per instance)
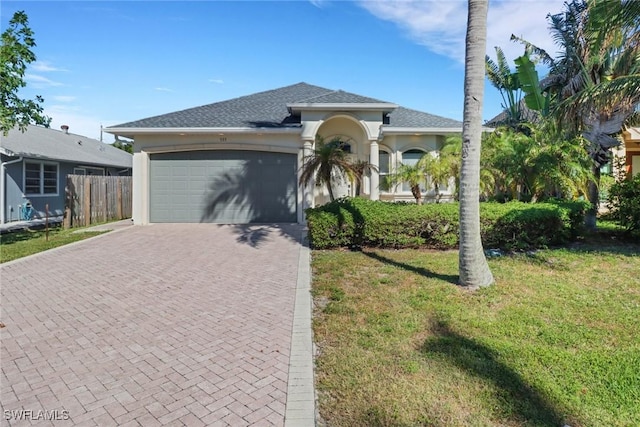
(224, 186)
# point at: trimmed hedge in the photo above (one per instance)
(358, 222)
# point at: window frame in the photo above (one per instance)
(42, 179)
(404, 187)
(382, 175)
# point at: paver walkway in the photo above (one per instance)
(176, 324)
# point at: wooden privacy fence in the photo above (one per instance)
(96, 199)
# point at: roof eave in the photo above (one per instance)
(8, 152)
(131, 132)
(57, 159)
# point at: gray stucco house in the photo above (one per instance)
(238, 161)
(35, 164)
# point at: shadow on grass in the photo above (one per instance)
(26, 235)
(608, 241)
(450, 278)
(521, 400)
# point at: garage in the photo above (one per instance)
(222, 186)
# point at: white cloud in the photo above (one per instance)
(218, 81)
(64, 98)
(163, 89)
(441, 25)
(45, 67)
(318, 3)
(39, 81)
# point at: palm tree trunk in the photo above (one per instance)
(594, 198)
(331, 197)
(473, 268)
(415, 190)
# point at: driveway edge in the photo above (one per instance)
(301, 398)
(68, 245)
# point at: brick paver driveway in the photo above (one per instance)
(158, 325)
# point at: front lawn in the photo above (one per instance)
(555, 342)
(20, 244)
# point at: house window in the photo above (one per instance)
(410, 158)
(40, 178)
(384, 165)
(88, 170)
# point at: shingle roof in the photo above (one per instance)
(527, 115)
(405, 117)
(269, 110)
(43, 143)
(341, 97)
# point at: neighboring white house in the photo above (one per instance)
(238, 161)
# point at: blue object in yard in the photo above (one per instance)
(26, 212)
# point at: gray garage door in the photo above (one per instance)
(231, 187)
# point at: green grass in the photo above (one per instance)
(24, 243)
(554, 342)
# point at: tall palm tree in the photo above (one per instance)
(596, 77)
(327, 161)
(474, 271)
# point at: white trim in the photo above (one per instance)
(3, 196)
(123, 131)
(224, 146)
(382, 175)
(388, 130)
(41, 193)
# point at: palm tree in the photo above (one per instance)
(439, 169)
(502, 78)
(596, 78)
(474, 271)
(361, 168)
(413, 175)
(452, 149)
(327, 160)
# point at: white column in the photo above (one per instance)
(374, 181)
(306, 193)
(140, 174)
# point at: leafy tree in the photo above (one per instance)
(595, 79)
(328, 159)
(536, 165)
(502, 78)
(123, 145)
(624, 202)
(474, 271)
(15, 55)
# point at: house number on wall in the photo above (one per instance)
(223, 139)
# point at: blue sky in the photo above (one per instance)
(112, 62)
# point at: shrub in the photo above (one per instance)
(624, 202)
(357, 222)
